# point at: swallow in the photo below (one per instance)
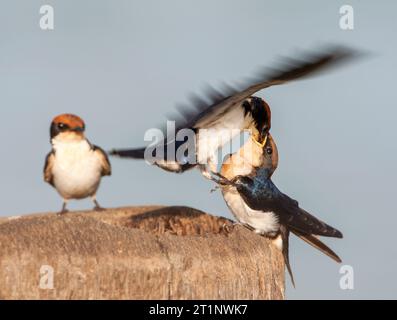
(245, 162)
(74, 166)
(221, 116)
(259, 205)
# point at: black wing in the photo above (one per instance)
(302, 221)
(265, 196)
(214, 103)
(106, 166)
(49, 163)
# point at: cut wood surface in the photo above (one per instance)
(149, 252)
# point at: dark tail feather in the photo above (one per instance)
(316, 243)
(129, 153)
(285, 238)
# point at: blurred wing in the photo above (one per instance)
(216, 103)
(106, 167)
(49, 164)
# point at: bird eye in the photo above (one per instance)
(61, 126)
(269, 150)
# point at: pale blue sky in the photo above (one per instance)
(122, 65)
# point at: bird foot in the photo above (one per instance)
(62, 212)
(228, 228)
(99, 208)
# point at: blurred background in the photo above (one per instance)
(123, 65)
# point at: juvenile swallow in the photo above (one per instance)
(271, 213)
(245, 162)
(229, 113)
(74, 167)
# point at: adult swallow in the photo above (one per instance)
(221, 116)
(74, 167)
(259, 205)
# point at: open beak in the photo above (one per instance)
(263, 143)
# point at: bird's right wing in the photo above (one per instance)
(49, 163)
(215, 103)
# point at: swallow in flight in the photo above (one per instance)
(221, 116)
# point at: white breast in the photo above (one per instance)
(219, 132)
(265, 223)
(77, 169)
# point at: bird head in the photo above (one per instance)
(270, 154)
(261, 118)
(67, 127)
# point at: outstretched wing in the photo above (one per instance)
(215, 103)
(49, 164)
(106, 166)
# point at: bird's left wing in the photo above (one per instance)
(302, 221)
(49, 163)
(265, 196)
(106, 167)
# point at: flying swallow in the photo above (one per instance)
(229, 113)
(74, 167)
(271, 213)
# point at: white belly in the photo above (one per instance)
(76, 170)
(265, 223)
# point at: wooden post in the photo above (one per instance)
(136, 253)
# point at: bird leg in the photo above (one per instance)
(64, 209)
(205, 171)
(97, 207)
(218, 178)
(221, 180)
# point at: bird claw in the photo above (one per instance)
(99, 209)
(228, 227)
(62, 212)
(222, 181)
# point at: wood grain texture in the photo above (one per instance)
(148, 252)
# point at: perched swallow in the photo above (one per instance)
(271, 213)
(245, 162)
(74, 167)
(229, 113)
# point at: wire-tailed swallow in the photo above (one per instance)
(74, 167)
(269, 212)
(230, 112)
